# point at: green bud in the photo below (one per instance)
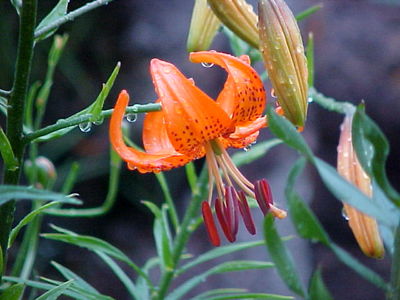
(283, 52)
(46, 173)
(203, 27)
(239, 17)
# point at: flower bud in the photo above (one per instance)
(203, 27)
(239, 17)
(365, 228)
(46, 172)
(283, 52)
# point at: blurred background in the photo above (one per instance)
(357, 58)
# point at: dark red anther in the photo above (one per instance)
(232, 208)
(219, 210)
(245, 212)
(210, 225)
(263, 195)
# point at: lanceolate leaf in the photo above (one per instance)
(372, 150)
(10, 192)
(55, 292)
(281, 257)
(307, 225)
(231, 266)
(7, 153)
(13, 292)
(317, 289)
(58, 11)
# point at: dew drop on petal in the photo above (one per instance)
(207, 65)
(131, 117)
(85, 127)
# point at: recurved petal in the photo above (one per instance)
(243, 96)
(142, 161)
(191, 117)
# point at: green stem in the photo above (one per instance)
(71, 16)
(76, 120)
(186, 228)
(15, 112)
(331, 104)
(394, 292)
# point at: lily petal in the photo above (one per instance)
(191, 117)
(243, 97)
(142, 161)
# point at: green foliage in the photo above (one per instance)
(281, 257)
(317, 289)
(372, 150)
(58, 11)
(13, 292)
(55, 292)
(14, 192)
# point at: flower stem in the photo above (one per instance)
(15, 112)
(189, 224)
(71, 16)
(84, 118)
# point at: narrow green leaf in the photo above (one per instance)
(77, 280)
(7, 153)
(142, 288)
(97, 106)
(191, 176)
(93, 244)
(254, 296)
(153, 208)
(281, 257)
(10, 192)
(305, 222)
(17, 4)
(310, 58)
(284, 130)
(317, 289)
(162, 244)
(57, 12)
(28, 218)
(216, 292)
(218, 252)
(13, 292)
(55, 292)
(372, 150)
(346, 192)
(168, 198)
(230, 266)
(256, 152)
(73, 292)
(362, 270)
(308, 12)
(126, 281)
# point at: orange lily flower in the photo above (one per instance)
(192, 125)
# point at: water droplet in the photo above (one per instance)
(99, 121)
(299, 49)
(273, 95)
(310, 100)
(85, 127)
(131, 117)
(247, 148)
(207, 65)
(344, 215)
